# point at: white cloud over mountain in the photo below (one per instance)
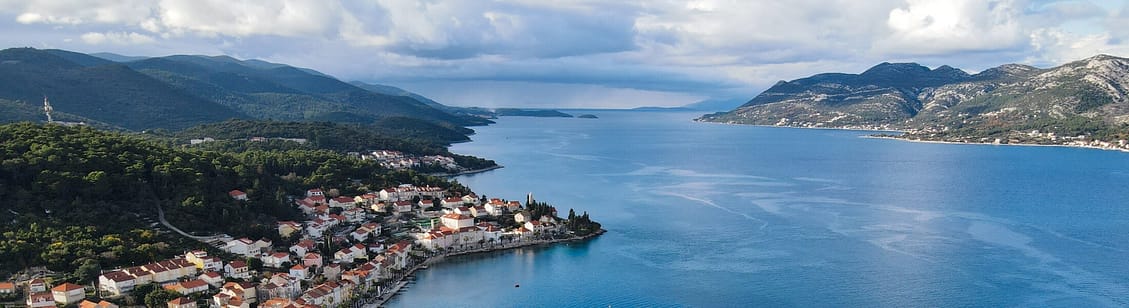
(683, 50)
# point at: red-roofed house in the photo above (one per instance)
(403, 206)
(299, 271)
(286, 228)
(343, 202)
(237, 269)
(276, 259)
(7, 287)
(456, 221)
(312, 259)
(237, 195)
(100, 304)
(213, 279)
(303, 247)
(68, 293)
(40, 300)
(182, 302)
(116, 282)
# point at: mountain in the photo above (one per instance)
(715, 104)
(175, 92)
(101, 90)
(478, 114)
(116, 57)
(281, 92)
(946, 101)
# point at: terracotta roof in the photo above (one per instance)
(235, 193)
(7, 285)
(181, 301)
(194, 283)
(66, 287)
(298, 267)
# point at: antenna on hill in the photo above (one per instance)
(47, 109)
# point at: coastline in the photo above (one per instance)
(997, 144)
(445, 174)
(925, 141)
(400, 282)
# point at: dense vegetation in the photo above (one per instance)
(399, 134)
(76, 197)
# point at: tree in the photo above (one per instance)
(160, 297)
(88, 271)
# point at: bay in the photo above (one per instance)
(709, 215)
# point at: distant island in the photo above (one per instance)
(587, 116)
(1081, 103)
(541, 113)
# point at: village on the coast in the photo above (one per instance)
(350, 251)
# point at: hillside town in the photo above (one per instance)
(350, 251)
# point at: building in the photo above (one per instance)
(237, 195)
(286, 228)
(100, 304)
(37, 285)
(299, 271)
(276, 260)
(116, 282)
(182, 302)
(204, 262)
(40, 300)
(7, 287)
(457, 221)
(68, 293)
(237, 269)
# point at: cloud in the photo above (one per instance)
(698, 48)
(120, 38)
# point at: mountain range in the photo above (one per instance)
(908, 96)
(175, 92)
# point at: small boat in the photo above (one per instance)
(517, 285)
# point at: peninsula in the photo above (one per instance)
(1081, 103)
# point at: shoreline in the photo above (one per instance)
(400, 283)
(925, 141)
(481, 170)
(997, 144)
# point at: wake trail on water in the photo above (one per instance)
(715, 205)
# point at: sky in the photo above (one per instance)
(581, 54)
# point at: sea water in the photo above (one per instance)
(711, 215)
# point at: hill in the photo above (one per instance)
(175, 92)
(1086, 97)
(478, 114)
(101, 90)
(76, 195)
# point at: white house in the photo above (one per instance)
(354, 214)
(116, 282)
(348, 254)
(312, 259)
(212, 278)
(237, 195)
(451, 202)
(286, 228)
(237, 269)
(456, 221)
(241, 246)
(403, 206)
(343, 202)
(68, 293)
(276, 259)
(299, 271)
(359, 235)
(304, 246)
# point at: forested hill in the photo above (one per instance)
(398, 134)
(175, 92)
(76, 195)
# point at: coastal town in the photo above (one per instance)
(350, 251)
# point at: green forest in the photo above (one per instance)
(77, 197)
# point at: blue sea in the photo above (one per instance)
(711, 215)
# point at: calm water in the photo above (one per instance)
(711, 215)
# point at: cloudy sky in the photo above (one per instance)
(581, 53)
